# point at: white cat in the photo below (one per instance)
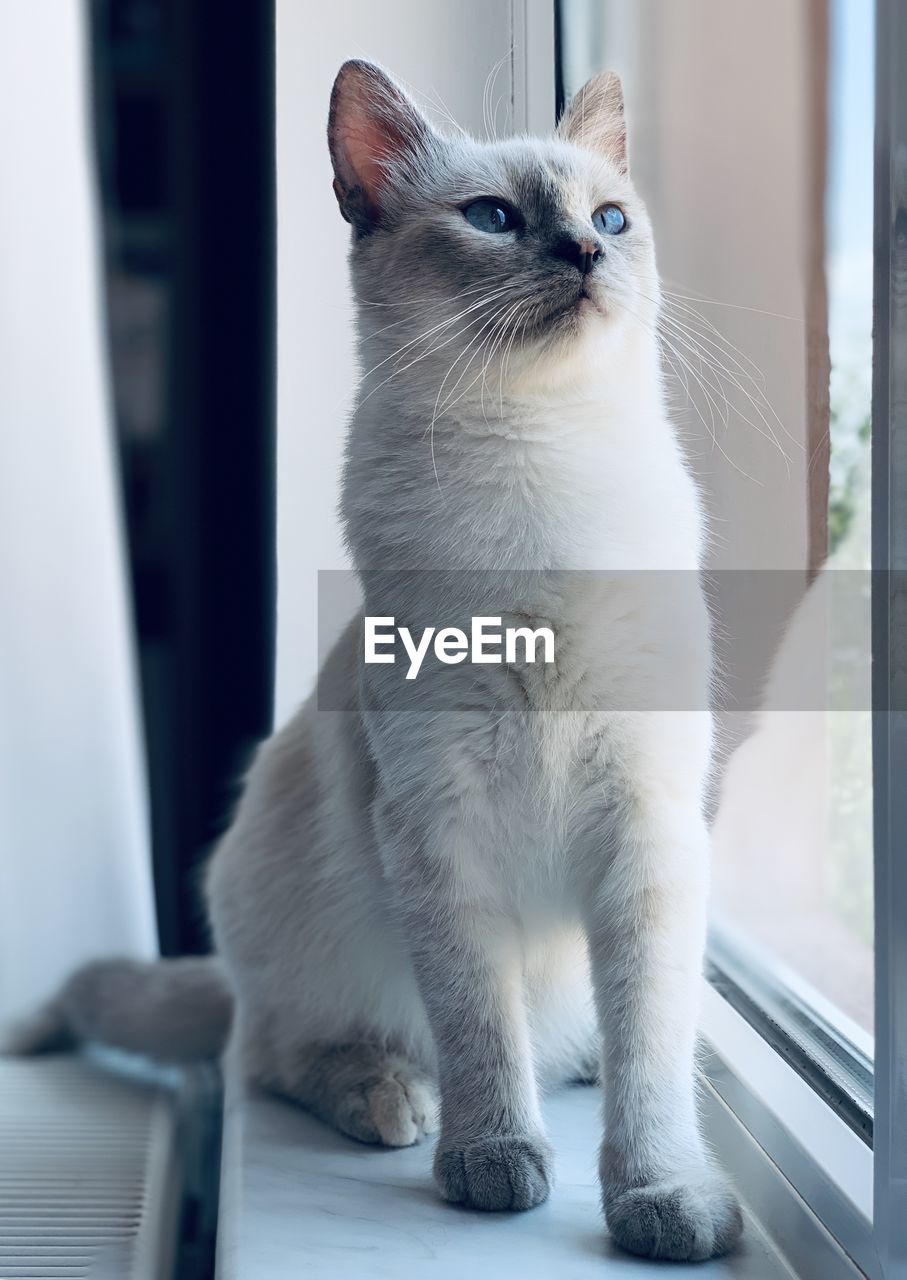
(493, 881)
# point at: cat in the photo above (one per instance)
(426, 920)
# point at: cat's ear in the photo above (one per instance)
(595, 119)
(373, 129)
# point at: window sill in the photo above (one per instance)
(298, 1199)
(774, 1133)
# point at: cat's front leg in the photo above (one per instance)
(492, 1153)
(662, 1195)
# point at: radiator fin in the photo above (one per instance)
(87, 1172)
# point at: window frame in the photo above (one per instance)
(804, 1173)
(889, 638)
(834, 1058)
(827, 1191)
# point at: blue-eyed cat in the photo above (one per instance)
(424, 920)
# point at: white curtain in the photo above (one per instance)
(75, 876)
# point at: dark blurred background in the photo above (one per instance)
(183, 113)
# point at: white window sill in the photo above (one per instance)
(775, 1133)
(299, 1200)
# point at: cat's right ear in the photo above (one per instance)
(595, 119)
(374, 128)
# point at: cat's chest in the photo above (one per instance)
(571, 497)
(540, 802)
(548, 790)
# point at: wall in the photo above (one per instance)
(446, 52)
(721, 108)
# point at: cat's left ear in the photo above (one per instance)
(374, 128)
(595, 119)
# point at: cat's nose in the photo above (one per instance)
(582, 253)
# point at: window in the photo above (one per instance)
(763, 220)
(798, 884)
(754, 126)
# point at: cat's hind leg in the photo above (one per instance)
(561, 1007)
(364, 1090)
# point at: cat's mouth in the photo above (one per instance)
(581, 304)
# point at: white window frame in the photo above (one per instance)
(835, 1205)
(532, 66)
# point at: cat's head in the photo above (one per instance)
(524, 254)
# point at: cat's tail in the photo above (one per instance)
(170, 1010)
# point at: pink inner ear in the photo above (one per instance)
(364, 146)
(372, 125)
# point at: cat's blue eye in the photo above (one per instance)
(492, 216)
(609, 220)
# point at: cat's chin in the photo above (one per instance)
(570, 316)
(568, 330)
(576, 354)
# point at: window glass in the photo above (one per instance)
(751, 131)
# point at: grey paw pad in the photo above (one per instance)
(675, 1222)
(495, 1174)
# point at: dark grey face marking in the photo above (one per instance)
(430, 247)
(548, 270)
(583, 253)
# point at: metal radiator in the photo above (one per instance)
(90, 1172)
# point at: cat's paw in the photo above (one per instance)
(395, 1111)
(682, 1221)
(495, 1173)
